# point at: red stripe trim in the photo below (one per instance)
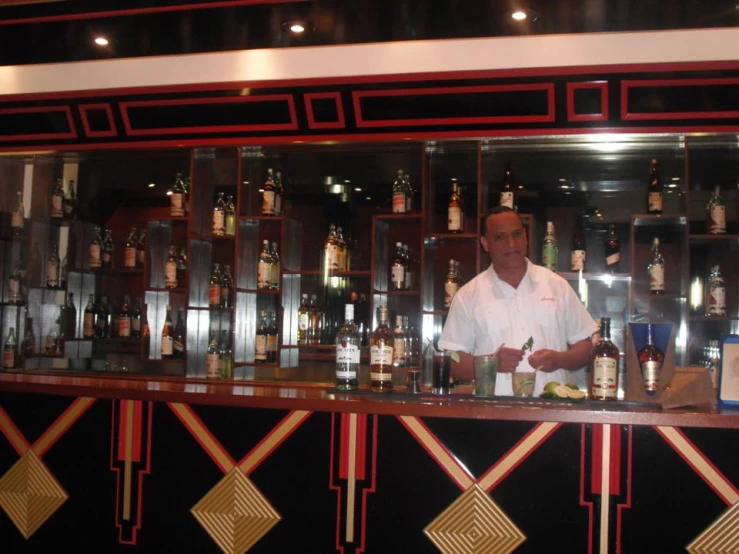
(344, 447)
(312, 123)
(621, 507)
(596, 458)
(278, 427)
(360, 462)
(371, 489)
(70, 134)
(207, 431)
(21, 448)
(112, 130)
(122, 411)
(615, 463)
(332, 486)
(588, 505)
(136, 435)
(572, 115)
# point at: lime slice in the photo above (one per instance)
(454, 355)
(562, 391)
(573, 386)
(547, 394)
(550, 386)
(576, 395)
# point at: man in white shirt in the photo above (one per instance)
(512, 301)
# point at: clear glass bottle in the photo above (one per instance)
(651, 359)
(507, 191)
(549, 251)
(212, 356)
(17, 217)
(397, 270)
(399, 343)
(268, 194)
(180, 335)
(10, 351)
(716, 213)
(341, 249)
(124, 318)
(88, 321)
(655, 189)
(451, 284)
(178, 198)
(264, 268)
(455, 210)
(381, 354)
(57, 200)
(170, 269)
(260, 344)
(167, 347)
(399, 193)
(219, 216)
(303, 320)
(613, 251)
(108, 250)
(129, 253)
(656, 270)
(347, 352)
(214, 287)
(230, 225)
(331, 251)
(274, 283)
(225, 358)
(604, 362)
(95, 258)
(69, 204)
(141, 249)
(227, 284)
(53, 269)
(716, 293)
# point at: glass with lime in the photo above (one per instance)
(486, 372)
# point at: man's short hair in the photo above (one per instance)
(495, 211)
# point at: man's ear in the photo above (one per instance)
(484, 243)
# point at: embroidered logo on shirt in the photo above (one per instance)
(547, 299)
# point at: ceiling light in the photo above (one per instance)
(101, 41)
(169, 193)
(358, 189)
(519, 15)
(297, 28)
(152, 185)
(520, 187)
(368, 198)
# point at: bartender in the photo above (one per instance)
(511, 302)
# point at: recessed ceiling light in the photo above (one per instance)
(101, 41)
(169, 193)
(358, 189)
(297, 28)
(520, 187)
(519, 15)
(368, 198)
(152, 185)
(522, 14)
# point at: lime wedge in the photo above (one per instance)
(576, 395)
(454, 355)
(562, 391)
(573, 386)
(550, 386)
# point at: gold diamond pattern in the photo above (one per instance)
(235, 514)
(30, 494)
(721, 537)
(474, 524)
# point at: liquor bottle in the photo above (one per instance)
(264, 268)
(227, 284)
(303, 319)
(69, 203)
(182, 268)
(28, 347)
(70, 314)
(341, 249)
(507, 191)
(145, 332)
(578, 254)
(88, 320)
(654, 190)
(167, 348)
(549, 251)
(272, 338)
(409, 193)
(451, 285)
(347, 352)
(129, 253)
(409, 267)
(102, 328)
(178, 197)
(9, 351)
(15, 285)
(381, 354)
(716, 213)
(713, 362)
(108, 250)
(170, 269)
(651, 359)
(314, 323)
(18, 215)
(397, 270)
(214, 287)
(455, 211)
(613, 251)
(604, 365)
(219, 216)
(275, 269)
(186, 205)
(260, 344)
(136, 320)
(268, 194)
(63, 273)
(180, 337)
(412, 344)
(716, 305)
(656, 270)
(57, 201)
(211, 357)
(399, 343)
(279, 191)
(112, 320)
(95, 258)
(230, 216)
(399, 192)
(52, 268)
(141, 249)
(225, 357)
(124, 318)
(331, 251)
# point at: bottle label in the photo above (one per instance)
(650, 371)
(218, 228)
(178, 346)
(94, 255)
(56, 206)
(136, 324)
(348, 354)
(408, 203)
(506, 199)
(88, 326)
(577, 260)
(107, 256)
(52, 274)
(450, 290)
(303, 321)
(717, 300)
(175, 207)
(549, 257)
(14, 290)
(455, 219)
(264, 275)
(260, 348)
(170, 275)
(398, 202)
(381, 355)
(211, 366)
(657, 277)
(332, 256)
(124, 326)
(398, 276)
(655, 201)
(167, 344)
(613, 259)
(230, 224)
(271, 343)
(408, 280)
(140, 253)
(605, 377)
(275, 276)
(16, 220)
(268, 202)
(8, 358)
(214, 295)
(129, 257)
(381, 377)
(398, 352)
(717, 224)
(225, 295)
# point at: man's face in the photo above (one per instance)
(505, 241)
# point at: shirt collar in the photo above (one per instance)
(532, 275)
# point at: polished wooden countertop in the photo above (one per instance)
(460, 404)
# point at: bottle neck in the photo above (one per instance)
(650, 335)
(605, 330)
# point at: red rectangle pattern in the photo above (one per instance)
(70, 134)
(572, 115)
(112, 130)
(312, 123)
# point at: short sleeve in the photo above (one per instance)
(458, 333)
(580, 324)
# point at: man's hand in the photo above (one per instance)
(545, 360)
(508, 359)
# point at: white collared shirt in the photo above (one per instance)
(488, 312)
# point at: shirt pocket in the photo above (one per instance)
(491, 325)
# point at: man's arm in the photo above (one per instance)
(575, 357)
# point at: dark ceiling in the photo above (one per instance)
(57, 31)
